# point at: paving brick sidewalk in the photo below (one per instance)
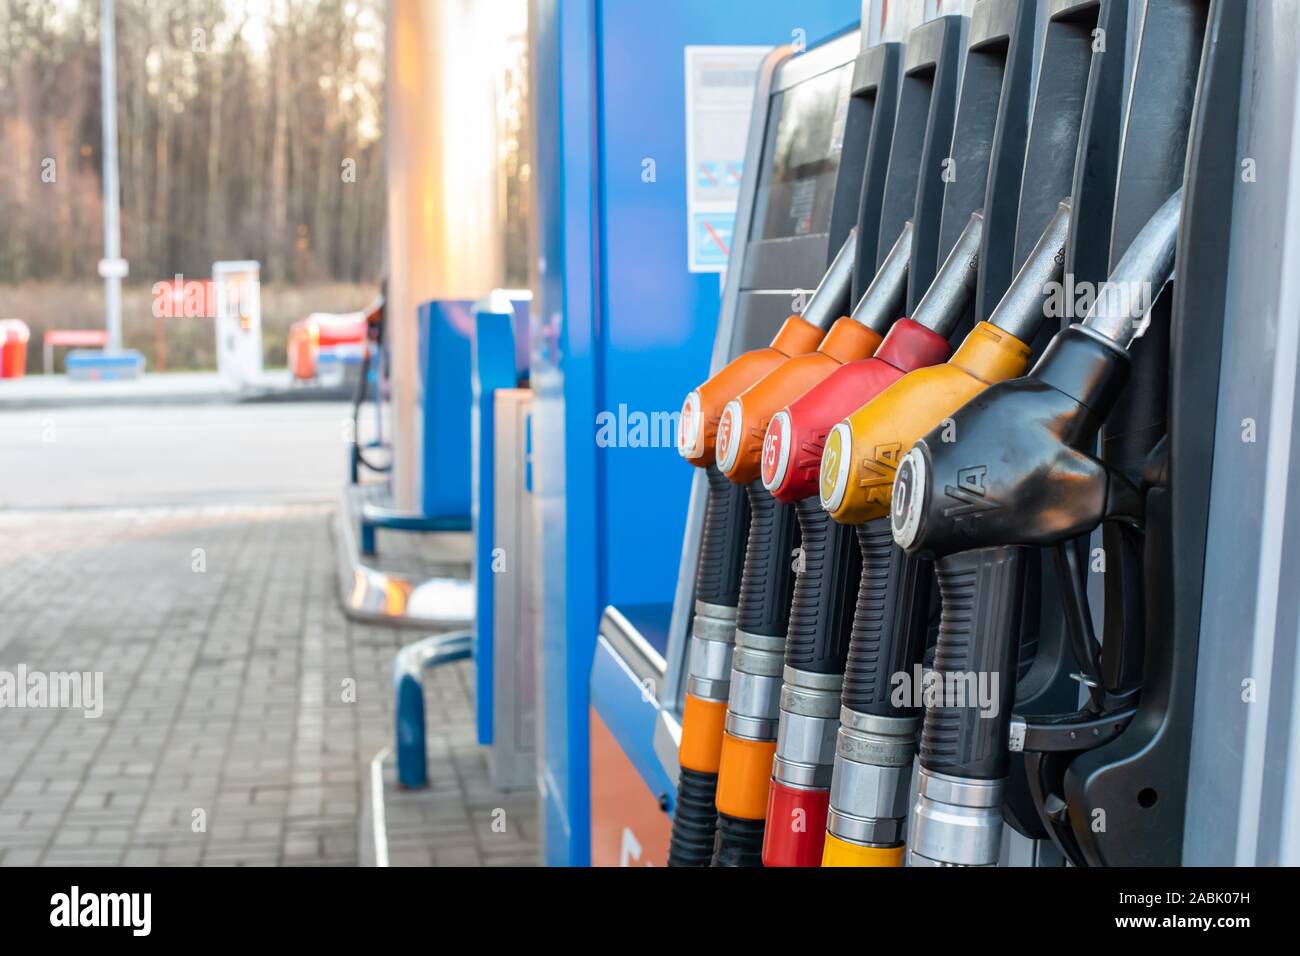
(235, 695)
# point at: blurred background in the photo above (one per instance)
(249, 129)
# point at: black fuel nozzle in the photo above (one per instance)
(1014, 468)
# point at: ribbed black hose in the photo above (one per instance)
(825, 591)
(695, 819)
(767, 583)
(717, 581)
(739, 842)
(722, 545)
(766, 587)
(978, 638)
(889, 623)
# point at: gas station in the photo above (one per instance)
(890, 460)
(963, 306)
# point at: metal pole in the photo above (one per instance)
(112, 233)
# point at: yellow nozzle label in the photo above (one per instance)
(836, 458)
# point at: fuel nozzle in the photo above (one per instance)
(862, 451)
(702, 409)
(1022, 474)
(851, 338)
(721, 562)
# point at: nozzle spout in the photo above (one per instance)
(1022, 308)
(1119, 314)
(830, 299)
(882, 303)
(944, 303)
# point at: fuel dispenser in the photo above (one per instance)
(768, 576)
(948, 454)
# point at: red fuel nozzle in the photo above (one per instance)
(792, 448)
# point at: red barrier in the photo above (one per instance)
(14, 335)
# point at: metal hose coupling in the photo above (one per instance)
(801, 770)
(753, 704)
(805, 737)
(871, 782)
(713, 640)
(957, 821)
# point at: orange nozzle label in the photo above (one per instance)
(689, 424)
(744, 776)
(747, 416)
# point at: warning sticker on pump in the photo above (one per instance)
(720, 83)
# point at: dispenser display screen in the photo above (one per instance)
(801, 156)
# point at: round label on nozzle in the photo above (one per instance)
(909, 497)
(727, 447)
(776, 450)
(836, 457)
(688, 426)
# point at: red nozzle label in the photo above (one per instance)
(776, 450)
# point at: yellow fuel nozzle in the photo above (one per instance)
(862, 452)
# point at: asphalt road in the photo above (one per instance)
(127, 456)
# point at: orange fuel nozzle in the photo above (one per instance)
(701, 414)
(740, 434)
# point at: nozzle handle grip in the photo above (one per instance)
(767, 583)
(821, 611)
(722, 545)
(695, 819)
(975, 662)
(890, 623)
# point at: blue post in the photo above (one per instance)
(408, 699)
(495, 367)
